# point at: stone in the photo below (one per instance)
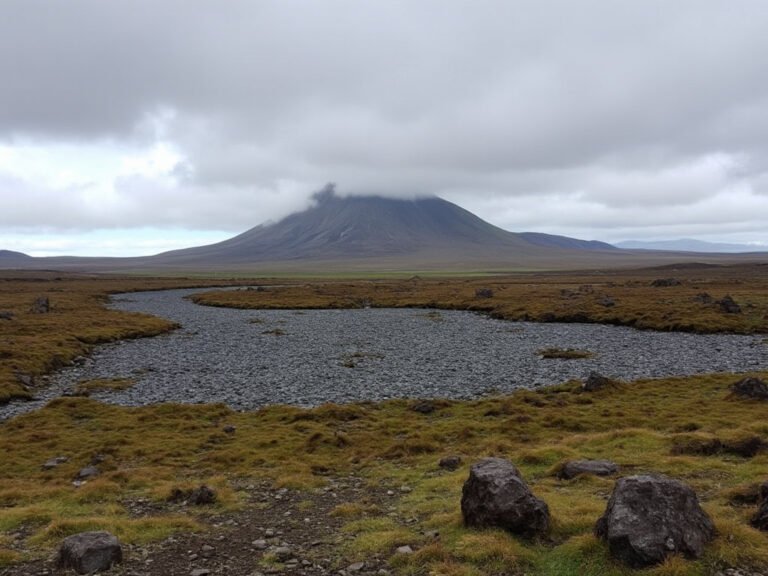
(52, 463)
(593, 467)
(87, 473)
(260, 544)
(41, 305)
(606, 301)
(202, 495)
(760, 519)
(750, 388)
(229, 429)
(356, 567)
(89, 552)
(200, 572)
(704, 298)
(665, 282)
(483, 293)
(496, 496)
(728, 305)
(649, 517)
(596, 382)
(283, 553)
(450, 462)
(24, 379)
(404, 550)
(6, 315)
(423, 407)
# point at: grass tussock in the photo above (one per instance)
(564, 354)
(86, 387)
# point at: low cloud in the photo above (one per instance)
(594, 119)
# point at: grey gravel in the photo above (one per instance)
(252, 358)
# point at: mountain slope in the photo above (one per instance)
(429, 229)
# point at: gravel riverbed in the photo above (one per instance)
(251, 358)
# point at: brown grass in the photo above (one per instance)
(548, 297)
(32, 345)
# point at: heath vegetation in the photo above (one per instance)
(691, 428)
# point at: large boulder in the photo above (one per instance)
(750, 388)
(728, 305)
(592, 467)
(496, 496)
(89, 552)
(650, 517)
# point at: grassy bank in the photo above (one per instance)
(33, 344)
(621, 298)
(655, 426)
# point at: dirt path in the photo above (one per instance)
(278, 532)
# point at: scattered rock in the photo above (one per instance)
(606, 301)
(594, 467)
(97, 459)
(760, 519)
(595, 382)
(356, 567)
(704, 298)
(450, 462)
(198, 497)
(283, 553)
(423, 407)
(496, 496)
(665, 282)
(89, 552)
(728, 305)
(24, 379)
(750, 388)
(41, 305)
(54, 462)
(483, 293)
(6, 315)
(202, 495)
(260, 544)
(200, 572)
(87, 473)
(649, 517)
(404, 550)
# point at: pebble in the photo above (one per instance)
(222, 357)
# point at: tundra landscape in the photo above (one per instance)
(365, 487)
(341, 288)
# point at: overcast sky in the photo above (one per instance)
(132, 127)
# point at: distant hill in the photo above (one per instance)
(690, 245)
(10, 255)
(554, 241)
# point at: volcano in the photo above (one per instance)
(339, 234)
(369, 230)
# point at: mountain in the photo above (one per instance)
(366, 229)
(11, 256)
(368, 233)
(690, 245)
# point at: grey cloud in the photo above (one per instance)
(615, 105)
